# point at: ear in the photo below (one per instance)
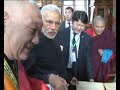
(6, 16)
(92, 26)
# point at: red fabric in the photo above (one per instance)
(112, 57)
(107, 78)
(28, 83)
(105, 40)
(89, 32)
(37, 84)
(23, 81)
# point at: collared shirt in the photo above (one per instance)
(66, 23)
(77, 39)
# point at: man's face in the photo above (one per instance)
(68, 14)
(51, 23)
(23, 33)
(99, 27)
(78, 26)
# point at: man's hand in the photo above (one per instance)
(57, 82)
(91, 80)
(74, 81)
(100, 51)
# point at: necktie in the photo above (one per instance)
(69, 23)
(74, 45)
(74, 64)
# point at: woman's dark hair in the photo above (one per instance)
(80, 15)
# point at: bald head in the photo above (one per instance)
(16, 9)
(99, 25)
(22, 24)
(97, 19)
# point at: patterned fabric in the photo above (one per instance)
(25, 82)
(74, 44)
(10, 81)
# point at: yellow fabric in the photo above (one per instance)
(8, 85)
(10, 82)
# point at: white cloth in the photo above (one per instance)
(50, 87)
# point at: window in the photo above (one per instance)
(76, 5)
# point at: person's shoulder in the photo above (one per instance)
(62, 26)
(65, 30)
(85, 34)
(63, 21)
(89, 32)
(109, 32)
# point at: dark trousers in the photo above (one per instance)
(70, 74)
(71, 87)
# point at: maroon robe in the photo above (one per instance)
(104, 41)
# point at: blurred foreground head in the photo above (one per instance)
(22, 24)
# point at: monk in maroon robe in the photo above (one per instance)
(102, 40)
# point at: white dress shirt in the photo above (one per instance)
(66, 23)
(77, 39)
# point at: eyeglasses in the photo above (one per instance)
(49, 23)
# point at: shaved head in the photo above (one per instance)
(22, 23)
(99, 25)
(16, 8)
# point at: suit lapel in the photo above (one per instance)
(80, 44)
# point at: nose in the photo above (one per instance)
(35, 39)
(79, 27)
(53, 26)
(99, 29)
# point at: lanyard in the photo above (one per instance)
(73, 45)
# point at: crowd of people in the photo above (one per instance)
(43, 53)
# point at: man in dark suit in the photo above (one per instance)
(68, 18)
(46, 62)
(77, 50)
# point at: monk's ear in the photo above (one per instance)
(6, 16)
(92, 26)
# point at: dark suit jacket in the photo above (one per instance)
(45, 58)
(62, 26)
(83, 66)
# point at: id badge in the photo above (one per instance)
(73, 57)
